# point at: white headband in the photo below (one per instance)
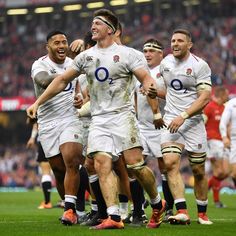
(105, 21)
(153, 46)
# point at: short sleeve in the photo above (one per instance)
(136, 60)
(203, 73)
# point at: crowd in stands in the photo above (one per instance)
(22, 40)
(18, 167)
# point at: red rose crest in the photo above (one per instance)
(189, 71)
(116, 58)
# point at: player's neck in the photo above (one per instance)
(218, 101)
(153, 66)
(56, 60)
(184, 58)
(105, 43)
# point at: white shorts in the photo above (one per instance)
(232, 156)
(113, 133)
(192, 134)
(53, 134)
(215, 149)
(151, 142)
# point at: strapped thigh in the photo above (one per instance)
(197, 158)
(171, 149)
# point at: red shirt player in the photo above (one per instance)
(212, 115)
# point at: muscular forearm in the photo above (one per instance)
(153, 104)
(161, 93)
(55, 87)
(199, 104)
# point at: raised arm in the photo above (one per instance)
(55, 87)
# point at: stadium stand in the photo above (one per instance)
(213, 28)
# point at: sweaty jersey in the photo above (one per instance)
(109, 74)
(61, 105)
(181, 79)
(82, 80)
(229, 118)
(213, 111)
(144, 111)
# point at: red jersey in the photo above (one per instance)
(213, 111)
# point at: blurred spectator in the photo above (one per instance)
(18, 167)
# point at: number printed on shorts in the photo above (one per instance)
(177, 85)
(102, 74)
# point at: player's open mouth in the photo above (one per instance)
(94, 33)
(61, 52)
(176, 50)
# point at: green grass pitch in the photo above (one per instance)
(19, 216)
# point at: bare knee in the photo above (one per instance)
(89, 165)
(198, 171)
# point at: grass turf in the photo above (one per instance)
(19, 216)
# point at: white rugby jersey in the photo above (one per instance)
(61, 105)
(83, 83)
(145, 114)
(181, 80)
(109, 74)
(229, 117)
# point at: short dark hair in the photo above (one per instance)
(54, 32)
(88, 40)
(183, 31)
(120, 28)
(155, 42)
(109, 15)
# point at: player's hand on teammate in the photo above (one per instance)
(77, 46)
(32, 111)
(226, 142)
(173, 127)
(78, 101)
(152, 92)
(159, 123)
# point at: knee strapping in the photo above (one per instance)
(93, 154)
(171, 149)
(197, 158)
(137, 166)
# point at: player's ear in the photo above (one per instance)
(110, 31)
(47, 47)
(190, 44)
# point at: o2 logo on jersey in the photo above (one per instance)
(102, 75)
(68, 87)
(177, 85)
